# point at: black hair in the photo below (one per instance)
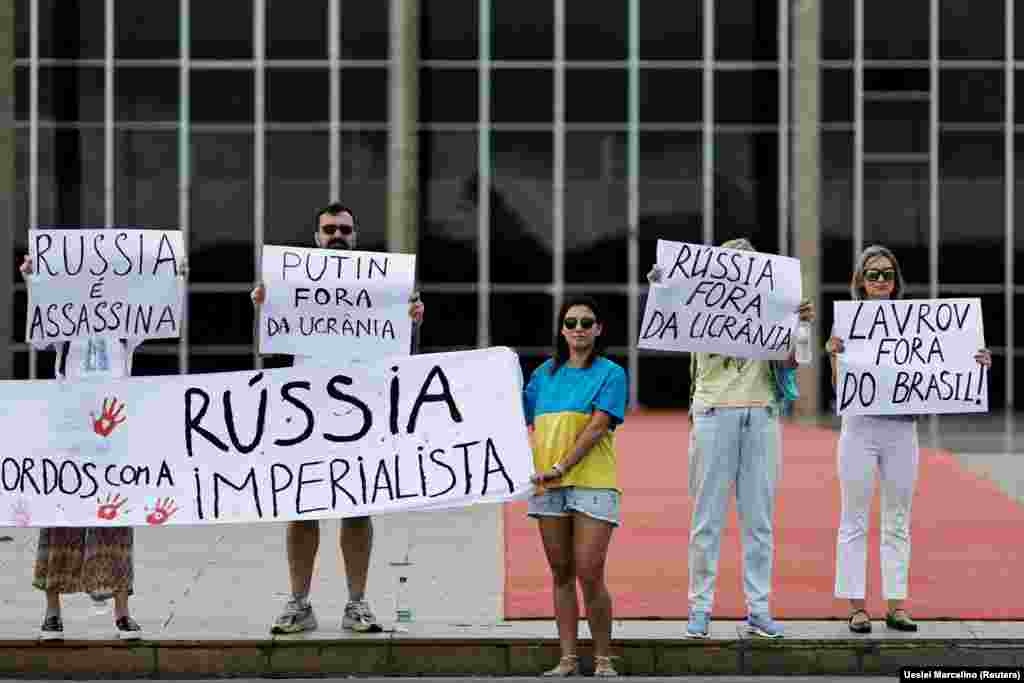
(333, 209)
(561, 355)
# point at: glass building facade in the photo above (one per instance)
(557, 141)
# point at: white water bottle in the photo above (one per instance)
(403, 613)
(802, 343)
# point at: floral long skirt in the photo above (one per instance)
(85, 560)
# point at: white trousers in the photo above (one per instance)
(890, 445)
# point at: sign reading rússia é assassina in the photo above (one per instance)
(910, 357)
(308, 442)
(727, 301)
(327, 303)
(104, 282)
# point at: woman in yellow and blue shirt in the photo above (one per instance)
(574, 402)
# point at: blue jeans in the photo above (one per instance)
(729, 447)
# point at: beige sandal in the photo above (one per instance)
(603, 667)
(568, 665)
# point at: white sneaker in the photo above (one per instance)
(295, 618)
(359, 618)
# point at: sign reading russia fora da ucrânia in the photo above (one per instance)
(728, 301)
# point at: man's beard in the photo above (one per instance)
(338, 243)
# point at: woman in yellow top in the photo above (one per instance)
(574, 402)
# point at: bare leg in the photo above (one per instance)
(557, 533)
(591, 538)
(303, 540)
(121, 603)
(52, 600)
(356, 545)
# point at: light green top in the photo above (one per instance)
(723, 381)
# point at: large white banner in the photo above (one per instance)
(108, 283)
(910, 357)
(308, 442)
(736, 303)
(328, 303)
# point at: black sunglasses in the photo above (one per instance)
(875, 275)
(331, 228)
(585, 323)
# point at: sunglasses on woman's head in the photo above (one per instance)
(331, 228)
(585, 323)
(875, 275)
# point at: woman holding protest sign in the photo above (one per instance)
(735, 442)
(888, 443)
(94, 560)
(574, 402)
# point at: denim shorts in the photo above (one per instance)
(601, 504)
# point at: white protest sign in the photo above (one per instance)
(727, 301)
(420, 432)
(104, 282)
(328, 303)
(910, 357)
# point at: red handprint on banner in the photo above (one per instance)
(110, 508)
(162, 511)
(109, 419)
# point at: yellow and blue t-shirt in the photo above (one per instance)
(559, 407)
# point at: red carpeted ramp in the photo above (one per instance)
(968, 537)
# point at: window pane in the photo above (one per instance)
(596, 30)
(220, 318)
(747, 31)
(456, 317)
(146, 30)
(71, 177)
(523, 30)
(896, 127)
(837, 29)
(655, 392)
(364, 184)
(670, 192)
(746, 188)
(155, 358)
(364, 29)
(448, 208)
(972, 229)
(974, 32)
(530, 325)
(746, 97)
(596, 208)
(364, 95)
(297, 95)
(146, 170)
(659, 96)
(837, 95)
(521, 230)
(66, 30)
(297, 30)
(836, 206)
(595, 96)
(1018, 218)
(70, 94)
(448, 29)
(896, 214)
(448, 96)
(971, 96)
(221, 235)
(896, 30)
(298, 183)
(222, 96)
(671, 30)
(146, 94)
(508, 103)
(221, 30)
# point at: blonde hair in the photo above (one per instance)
(857, 281)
